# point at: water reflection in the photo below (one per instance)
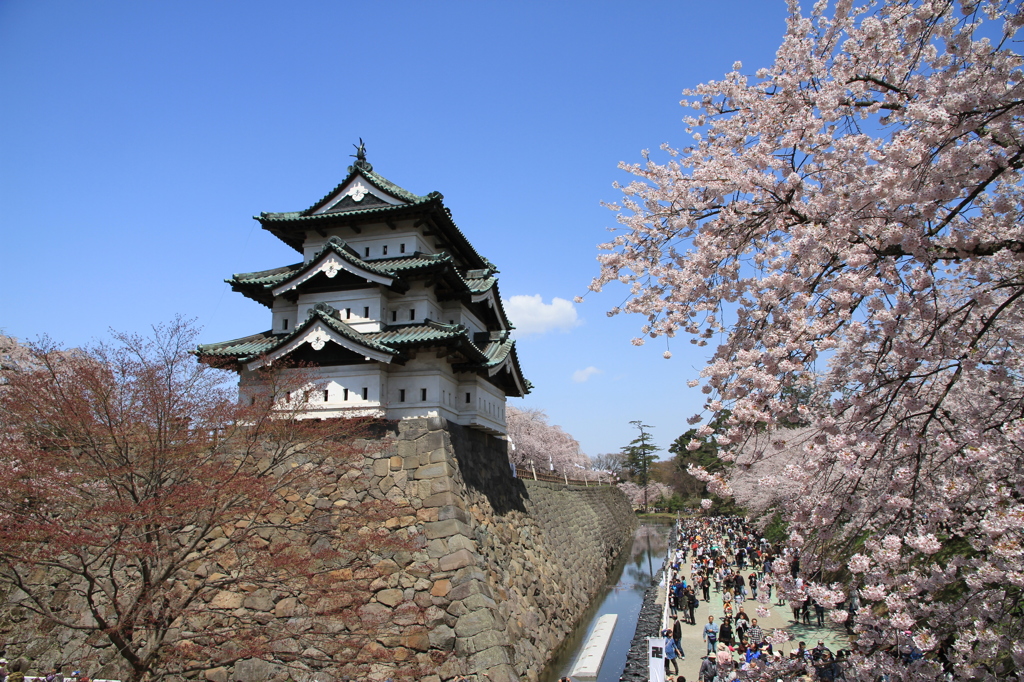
(623, 594)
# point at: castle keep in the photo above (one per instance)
(391, 304)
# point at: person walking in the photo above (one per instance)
(755, 634)
(725, 635)
(672, 653)
(675, 603)
(710, 634)
(708, 669)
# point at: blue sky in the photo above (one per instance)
(137, 140)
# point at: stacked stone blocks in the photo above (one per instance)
(501, 572)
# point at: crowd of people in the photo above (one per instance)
(726, 555)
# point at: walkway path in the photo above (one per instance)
(781, 617)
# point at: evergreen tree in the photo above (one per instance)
(639, 457)
(706, 456)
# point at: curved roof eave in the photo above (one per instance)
(431, 205)
(375, 179)
(493, 299)
(342, 260)
(313, 332)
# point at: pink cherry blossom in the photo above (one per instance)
(927, 544)
(873, 592)
(846, 228)
(534, 442)
(639, 496)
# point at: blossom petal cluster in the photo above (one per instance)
(847, 225)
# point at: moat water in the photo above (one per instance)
(623, 595)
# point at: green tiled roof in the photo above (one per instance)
(391, 340)
(259, 285)
(267, 277)
(495, 354)
(329, 317)
(249, 348)
(293, 216)
(378, 181)
(284, 224)
(414, 262)
(417, 334)
(431, 333)
(479, 285)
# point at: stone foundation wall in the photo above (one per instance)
(528, 555)
(505, 569)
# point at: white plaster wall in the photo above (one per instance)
(284, 310)
(446, 392)
(334, 380)
(416, 305)
(455, 311)
(486, 406)
(356, 300)
(373, 237)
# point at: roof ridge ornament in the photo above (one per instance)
(360, 157)
(324, 308)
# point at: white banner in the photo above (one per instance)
(656, 658)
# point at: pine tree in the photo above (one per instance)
(639, 456)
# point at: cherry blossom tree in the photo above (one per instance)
(13, 356)
(161, 528)
(640, 495)
(848, 221)
(543, 445)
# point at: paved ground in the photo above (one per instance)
(781, 617)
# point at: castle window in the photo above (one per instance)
(394, 316)
(252, 400)
(348, 313)
(401, 395)
(412, 314)
(423, 394)
(385, 252)
(366, 393)
(284, 323)
(367, 252)
(366, 312)
(467, 398)
(326, 396)
(344, 394)
(401, 248)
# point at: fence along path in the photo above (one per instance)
(531, 474)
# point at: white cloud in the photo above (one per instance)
(581, 375)
(531, 315)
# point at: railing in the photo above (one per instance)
(529, 473)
